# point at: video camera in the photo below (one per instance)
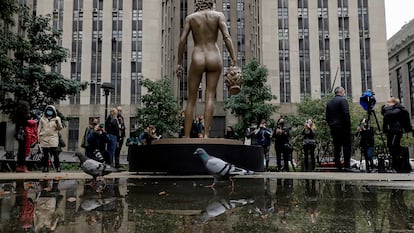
(367, 100)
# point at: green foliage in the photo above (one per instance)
(253, 100)
(160, 107)
(26, 65)
(8, 9)
(315, 109)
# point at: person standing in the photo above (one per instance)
(148, 135)
(88, 130)
(230, 134)
(22, 134)
(263, 136)
(121, 123)
(204, 25)
(251, 133)
(49, 126)
(339, 121)
(112, 129)
(309, 145)
(281, 137)
(396, 122)
(366, 143)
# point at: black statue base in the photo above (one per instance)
(175, 156)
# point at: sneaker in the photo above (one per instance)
(58, 169)
(22, 169)
(45, 169)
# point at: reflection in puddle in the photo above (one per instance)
(185, 205)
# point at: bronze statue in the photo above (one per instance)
(205, 25)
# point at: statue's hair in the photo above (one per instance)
(204, 4)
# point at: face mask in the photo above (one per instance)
(49, 112)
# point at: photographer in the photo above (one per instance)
(366, 134)
(309, 145)
(263, 135)
(281, 137)
(396, 122)
(97, 143)
(251, 133)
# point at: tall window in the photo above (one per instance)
(226, 55)
(410, 67)
(116, 58)
(400, 85)
(283, 36)
(73, 137)
(304, 62)
(184, 78)
(76, 53)
(96, 61)
(136, 51)
(344, 46)
(364, 42)
(57, 20)
(324, 47)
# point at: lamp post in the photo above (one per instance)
(107, 88)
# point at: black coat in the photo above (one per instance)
(337, 113)
(396, 119)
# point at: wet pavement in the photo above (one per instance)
(265, 202)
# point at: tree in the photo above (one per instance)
(253, 100)
(27, 62)
(160, 107)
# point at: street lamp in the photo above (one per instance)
(107, 87)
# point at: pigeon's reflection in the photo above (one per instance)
(219, 207)
(104, 207)
(223, 201)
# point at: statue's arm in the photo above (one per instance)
(227, 39)
(181, 46)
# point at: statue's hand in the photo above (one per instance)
(233, 63)
(179, 71)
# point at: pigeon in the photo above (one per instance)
(219, 168)
(92, 167)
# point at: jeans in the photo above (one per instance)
(111, 147)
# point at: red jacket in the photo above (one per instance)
(31, 135)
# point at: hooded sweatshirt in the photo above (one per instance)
(49, 125)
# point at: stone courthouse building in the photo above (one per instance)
(308, 46)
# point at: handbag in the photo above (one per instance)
(247, 141)
(38, 155)
(21, 135)
(309, 142)
(288, 147)
(61, 141)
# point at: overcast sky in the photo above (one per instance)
(398, 12)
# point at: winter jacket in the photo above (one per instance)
(396, 119)
(31, 135)
(281, 136)
(263, 136)
(112, 126)
(48, 128)
(337, 113)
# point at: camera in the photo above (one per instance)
(367, 100)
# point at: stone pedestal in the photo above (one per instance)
(176, 155)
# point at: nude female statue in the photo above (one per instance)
(205, 25)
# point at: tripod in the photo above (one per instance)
(381, 158)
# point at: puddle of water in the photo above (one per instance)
(185, 205)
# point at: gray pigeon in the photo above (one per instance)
(93, 167)
(219, 168)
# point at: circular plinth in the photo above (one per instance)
(175, 141)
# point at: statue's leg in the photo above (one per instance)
(212, 79)
(194, 79)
